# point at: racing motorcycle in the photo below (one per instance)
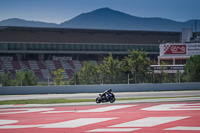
(107, 96)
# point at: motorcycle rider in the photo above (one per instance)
(107, 93)
(106, 96)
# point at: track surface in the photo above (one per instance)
(94, 95)
(168, 117)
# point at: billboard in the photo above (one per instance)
(180, 49)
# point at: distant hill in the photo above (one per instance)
(21, 22)
(106, 18)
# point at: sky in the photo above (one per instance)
(58, 11)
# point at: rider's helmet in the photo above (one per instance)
(109, 90)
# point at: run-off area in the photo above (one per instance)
(142, 117)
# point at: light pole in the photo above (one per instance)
(179, 79)
(21, 78)
(153, 76)
(76, 70)
(48, 80)
(128, 78)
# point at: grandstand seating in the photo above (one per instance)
(33, 64)
(26, 64)
(8, 65)
(41, 65)
(45, 73)
(38, 73)
(1, 68)
(94, 62)
(69, 73)
(23, 66)
(50, 65)
(57, 64)
(42, 69)
(77, 64)
(16, 65)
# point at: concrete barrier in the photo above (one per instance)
(97, 88)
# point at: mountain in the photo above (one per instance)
(106, 18)
(25, 23)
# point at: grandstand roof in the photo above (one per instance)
(80, 30)
(75, 35)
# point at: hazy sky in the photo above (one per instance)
(58, 11)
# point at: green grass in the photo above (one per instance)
(155, 98)
(46, 101)
(54, 101)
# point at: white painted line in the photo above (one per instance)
(149, 121)
(25, 110)
(184, 128)
(102, 109)
(76, 123)
(66, 124)
(173, 107)
(3, 122)
(107, 108)
(18, 126)
(48, 112)
(114, 130)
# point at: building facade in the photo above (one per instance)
(45, 49)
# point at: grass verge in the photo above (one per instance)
(54, 101)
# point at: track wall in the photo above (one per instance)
(97, 88)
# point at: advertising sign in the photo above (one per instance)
(193, 49)
(167, 67)
(174, 49)
(62, 58)
(6, 58)
(180, 49)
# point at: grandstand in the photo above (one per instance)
(42, 50)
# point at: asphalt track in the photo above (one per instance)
(165, 117)
(94, 95)
(141, 116)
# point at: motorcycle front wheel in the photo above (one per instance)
(98, 100)
(112, 99)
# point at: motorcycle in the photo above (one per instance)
(109, 97)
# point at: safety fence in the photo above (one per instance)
(11, 90)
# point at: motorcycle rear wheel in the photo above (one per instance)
(98, 100)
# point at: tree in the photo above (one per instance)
(58, 76)
(165, 77)
(192, 69)
(110, 69)
(29, 78)
(25, 78)
(88, 74)
(5, 79)
(137, 64)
